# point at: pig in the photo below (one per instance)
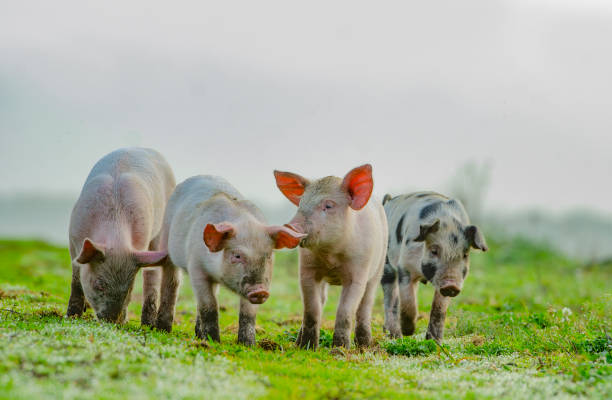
(430, 237)
(217, 236)
(345, 245)
(114, 232)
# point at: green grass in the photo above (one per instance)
(528, 324)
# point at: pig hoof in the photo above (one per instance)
(308, 339)
(163, 325)
(149, 315)
(341, 341)
(431, 336)
(393, 331)
(363, 337)
(74, 312)
(246, 341)
(207, 334)
(408, 327)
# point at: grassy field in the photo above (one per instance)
(529, 324)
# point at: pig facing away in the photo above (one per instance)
(114, 230)
(429, 240)
(346, 245)
(211, 231)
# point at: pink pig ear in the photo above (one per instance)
(90, 252)
(359, 184)
(284, 237)
(291, 185)
(215, 235)
(150, 258)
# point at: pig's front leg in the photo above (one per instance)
(207, 323)
(435, 330)
(171, 280)
(408, 303)
(350, 298)
(151, 278)
(391, 296)
(312, 296)
(76, 304)
(246, 323)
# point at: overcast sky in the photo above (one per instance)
(241, 88)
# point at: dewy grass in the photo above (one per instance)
(408, 346)
(528, 324)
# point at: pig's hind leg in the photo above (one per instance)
(391, 295)
(363, 324)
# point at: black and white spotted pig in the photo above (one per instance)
(429, 240)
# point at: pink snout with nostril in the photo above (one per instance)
(258, 296)
(450, 290)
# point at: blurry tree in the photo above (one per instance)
(470, 184)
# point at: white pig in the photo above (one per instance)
(219, 237)
(114, 230)
(346, 245)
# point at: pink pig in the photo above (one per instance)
(346, 245)
(114, 230)
(220, 238)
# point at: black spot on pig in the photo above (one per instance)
(429, 270)
(421, 195)
(453, 238)
(430, 209)
(404, 276)
(399, 230)
(453, 204)
(389, 275)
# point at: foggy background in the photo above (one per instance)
(505, 104)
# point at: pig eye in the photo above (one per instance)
(236, 258)
(328, 205)
(435, 251)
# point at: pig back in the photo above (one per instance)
(128, 186)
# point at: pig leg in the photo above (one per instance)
(391, 295)
(324, 287)
(350, 298)
(408, 304)
(246, 322)
(311, 324)
(123, 317)
(171, 280)
(435, 330)
(76, 304)
(207, 323)
(151, 279)
(363, 325)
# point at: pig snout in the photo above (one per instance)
(258, 295)
(450, 289)
(108, 316)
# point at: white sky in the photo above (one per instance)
(241, 88)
